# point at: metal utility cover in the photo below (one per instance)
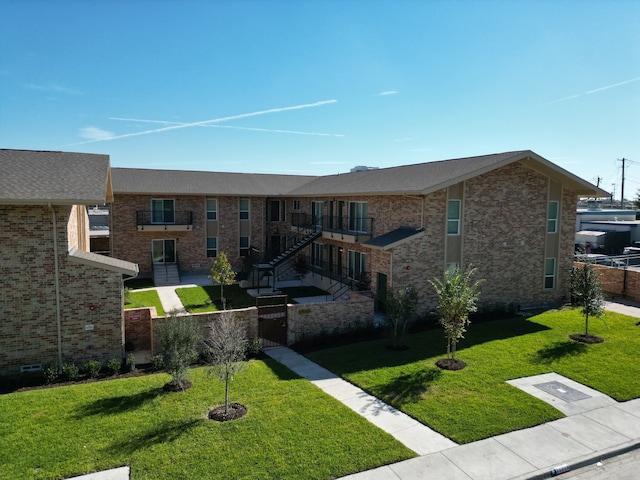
(562, 391)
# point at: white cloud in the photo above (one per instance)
(388, 92)
(403, 139)
(53, 88)
(95, 134)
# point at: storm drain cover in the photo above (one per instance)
(562, 391)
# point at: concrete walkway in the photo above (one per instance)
(410, 432)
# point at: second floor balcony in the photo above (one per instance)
(344, 228)
(155, 221)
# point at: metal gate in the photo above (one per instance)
(272, 320)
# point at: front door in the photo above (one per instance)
(164, 251)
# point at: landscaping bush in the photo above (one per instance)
(51, 373)
(70, 371)
(114, 365)
(131, 362)
(157, 362)
(93, 367)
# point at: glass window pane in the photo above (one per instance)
(453, 210)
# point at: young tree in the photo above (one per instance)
(227, 344)
(178, 339)
(222, 273)
(458, 295)
(586, 292)
(401, 306)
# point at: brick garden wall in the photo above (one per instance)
(617, 282)
(304, 320)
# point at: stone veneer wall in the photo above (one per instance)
(88, 296)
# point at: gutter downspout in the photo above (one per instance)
(57, 285)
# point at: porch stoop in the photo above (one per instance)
(165, 274)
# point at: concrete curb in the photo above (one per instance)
(584, 461)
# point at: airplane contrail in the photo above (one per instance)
(207, 122)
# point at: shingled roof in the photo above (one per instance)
(181, 182)
(424, 178)
(41, 177)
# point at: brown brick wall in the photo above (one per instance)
(127, 243)
(28, 306)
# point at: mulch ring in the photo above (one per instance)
(582, 338)
(235, 411)
(174, 386)
(450, 364)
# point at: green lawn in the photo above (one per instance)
(207, 299)
(476, 403)
(144, 298)
(292, 430)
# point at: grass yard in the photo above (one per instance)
(207, 298)
(476, 403)
(292, 430)
(144, 298)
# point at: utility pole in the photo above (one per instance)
(622, 188)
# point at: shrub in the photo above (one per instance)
(93, 367)
(254, 347)
(179, 338)
(131, 362)
(157, 362)
(114, 365)
(51, 373)
(70, 371)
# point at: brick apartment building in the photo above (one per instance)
(511, 215)
(58, 301)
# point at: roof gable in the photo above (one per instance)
(61, 178)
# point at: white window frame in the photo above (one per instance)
(212, 251)
(552, 220)
(244, 212)
(358, 216)
(162, 212)
(317, 254)
(296, 204)
(356, 264)
(244, 251)
(550, 273)
(212, 214)
(454, 220)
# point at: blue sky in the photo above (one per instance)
(307, 87)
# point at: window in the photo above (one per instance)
(296, 204)
(358, 216)
(453, 217)
(212, 247)
(244, 246)
(317, 254)
(212, 208)
(316, 213)
(552, 217)
(244, 208)
(452, 266)
(162, 211)
(357, 264)
(550, 274)
(277, 211)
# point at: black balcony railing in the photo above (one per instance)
(359, 227)
(144, 218)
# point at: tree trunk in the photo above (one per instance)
(453, 350)
(586, 325)
(226, 396)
